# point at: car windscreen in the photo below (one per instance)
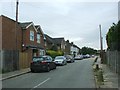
(38, 59)
(59, 57)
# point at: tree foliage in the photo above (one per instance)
(87, 50)
(113, 36)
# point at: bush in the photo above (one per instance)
(53, 54)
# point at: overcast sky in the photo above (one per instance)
(75, 20)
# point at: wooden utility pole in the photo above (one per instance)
(16, 28)
(17, 2)
(101, 45)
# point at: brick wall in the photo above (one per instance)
(9, 34)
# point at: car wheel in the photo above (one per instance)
(32, 70)
(55, 67)
(63, 64)
(48, 69)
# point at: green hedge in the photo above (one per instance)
(53, 54)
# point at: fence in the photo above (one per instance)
(113, 58)
(23, 60)
(10, 60)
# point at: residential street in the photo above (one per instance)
(72, 75)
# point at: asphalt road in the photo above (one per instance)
(73, 75)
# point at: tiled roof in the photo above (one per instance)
(58, 40)
(49, 39)
(76, 46)
(25, 24)
(36, 26)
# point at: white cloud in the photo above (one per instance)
(63, 1)
(76, 21)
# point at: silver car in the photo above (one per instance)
(60, 60)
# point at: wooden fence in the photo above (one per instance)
(113, 60)
(23, 60)
(11, 60)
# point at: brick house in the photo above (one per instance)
(68, 47)
(49, 42)
(55, 43)
(19, 43)
(33, 39)
(71, 49)
(60, 42)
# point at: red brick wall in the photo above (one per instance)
(9, 36)
(42, 40)
(27, 36)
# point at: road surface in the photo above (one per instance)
(73, 75)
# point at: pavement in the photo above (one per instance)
(110, 77)
(14, 74)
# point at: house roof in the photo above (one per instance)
(49, 39)
(37, 26)
(75, 46)
(25, 24)
(39, 30)
(58, 40)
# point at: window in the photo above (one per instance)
(38, 38)
(31, 35)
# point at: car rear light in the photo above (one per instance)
(31, 62)
(43, 62)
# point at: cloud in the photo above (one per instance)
(61, 1)
(76, 21)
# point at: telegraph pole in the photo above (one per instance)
(17, 2)
(16, 37)
(101, 45)
(16, 28)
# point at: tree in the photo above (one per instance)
(87, 50)
(113, 36)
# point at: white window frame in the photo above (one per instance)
(31, 35)
(38, 38)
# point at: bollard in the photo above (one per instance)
(97, 67)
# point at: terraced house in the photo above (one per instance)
(19, 43)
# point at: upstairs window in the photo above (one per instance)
(31, 35)
(38, 38)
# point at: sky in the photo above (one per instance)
(76, 20)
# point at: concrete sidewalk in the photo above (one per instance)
(110, 78)
(14, 73)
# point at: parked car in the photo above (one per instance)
(42, 63)
(60, 60)
(78, 57)
(69, 58)
(92, 56)
(87, 55)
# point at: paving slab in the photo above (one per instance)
(14, 73)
